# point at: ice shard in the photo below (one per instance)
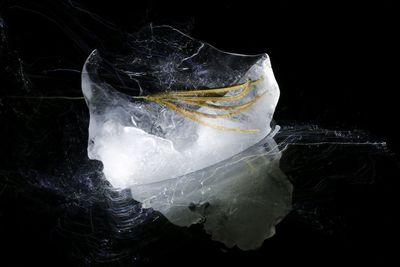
(187, 128)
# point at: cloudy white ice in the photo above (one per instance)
(222, 171)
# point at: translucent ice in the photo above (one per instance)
(185, 126)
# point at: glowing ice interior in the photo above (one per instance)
(222, 170)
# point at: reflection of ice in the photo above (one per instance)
(241, 199)
(186, 167)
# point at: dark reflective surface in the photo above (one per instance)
(55, 207)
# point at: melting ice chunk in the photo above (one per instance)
(185, 126)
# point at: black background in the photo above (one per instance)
(335, 62)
